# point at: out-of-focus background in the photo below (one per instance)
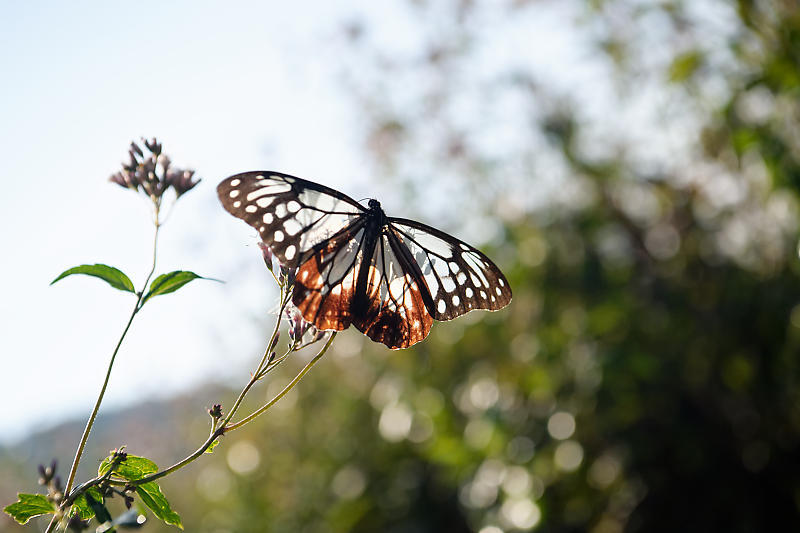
(633, 166)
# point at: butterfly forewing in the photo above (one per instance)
(291, 215)
(459, 277)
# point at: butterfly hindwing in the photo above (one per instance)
(291, 215)
(459, 277)
(395, 313)
(325, 283)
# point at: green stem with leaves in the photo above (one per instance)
(224, 429)
(136, 308)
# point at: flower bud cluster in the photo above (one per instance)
(216, 411)
(299, 328)
(152, 173)
(49, 479)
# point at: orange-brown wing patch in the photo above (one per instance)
(326, 282)
(395, 313)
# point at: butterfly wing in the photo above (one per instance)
(325, 283)
(293, 216)
(459, 278)
(415, 273)
(395, 312)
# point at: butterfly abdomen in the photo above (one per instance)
(372, 230)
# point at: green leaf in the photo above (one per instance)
(210, 449)
(171, 282)
(100, 512)
(28, 506)
(113, 276)
(152, 497)
(132, 468)
(82, 508)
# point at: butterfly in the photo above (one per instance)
(389, 277)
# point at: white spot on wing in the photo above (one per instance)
(234, 193)
(456, 300)
(441, 268)
(290, 251)
(286, 181)
(264, 202)
(441, 307)
(280, 210)
(235, 182)
(292, 227)
(268, 218)
(237, 204)
(448, 284)
(293, 206)
(434, 244)
(251, 209)
(469, 292)
(278, 237)
(258, 193)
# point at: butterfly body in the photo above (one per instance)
(389, 277)
(375, 222)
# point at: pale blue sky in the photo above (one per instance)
(227, 87)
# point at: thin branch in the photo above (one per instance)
(258, 373)
(288, 387)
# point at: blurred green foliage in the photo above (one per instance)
(646, 375)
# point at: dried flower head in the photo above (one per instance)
(151, 172)
(216, 411)
(301, 332)
(76, 524)
(47, 473)
(268, 256)
(287, 276)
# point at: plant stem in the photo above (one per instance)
(93, 416)
(180, 464)
(257, 374)
(225, 429)
(286, 389)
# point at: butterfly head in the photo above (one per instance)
(374, 205)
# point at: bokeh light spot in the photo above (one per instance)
(395, 422)
(213, 483)
(521, 514)
(243, 457)
(348, 483)
(561, 425)
(478, 432)
(568, 456)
